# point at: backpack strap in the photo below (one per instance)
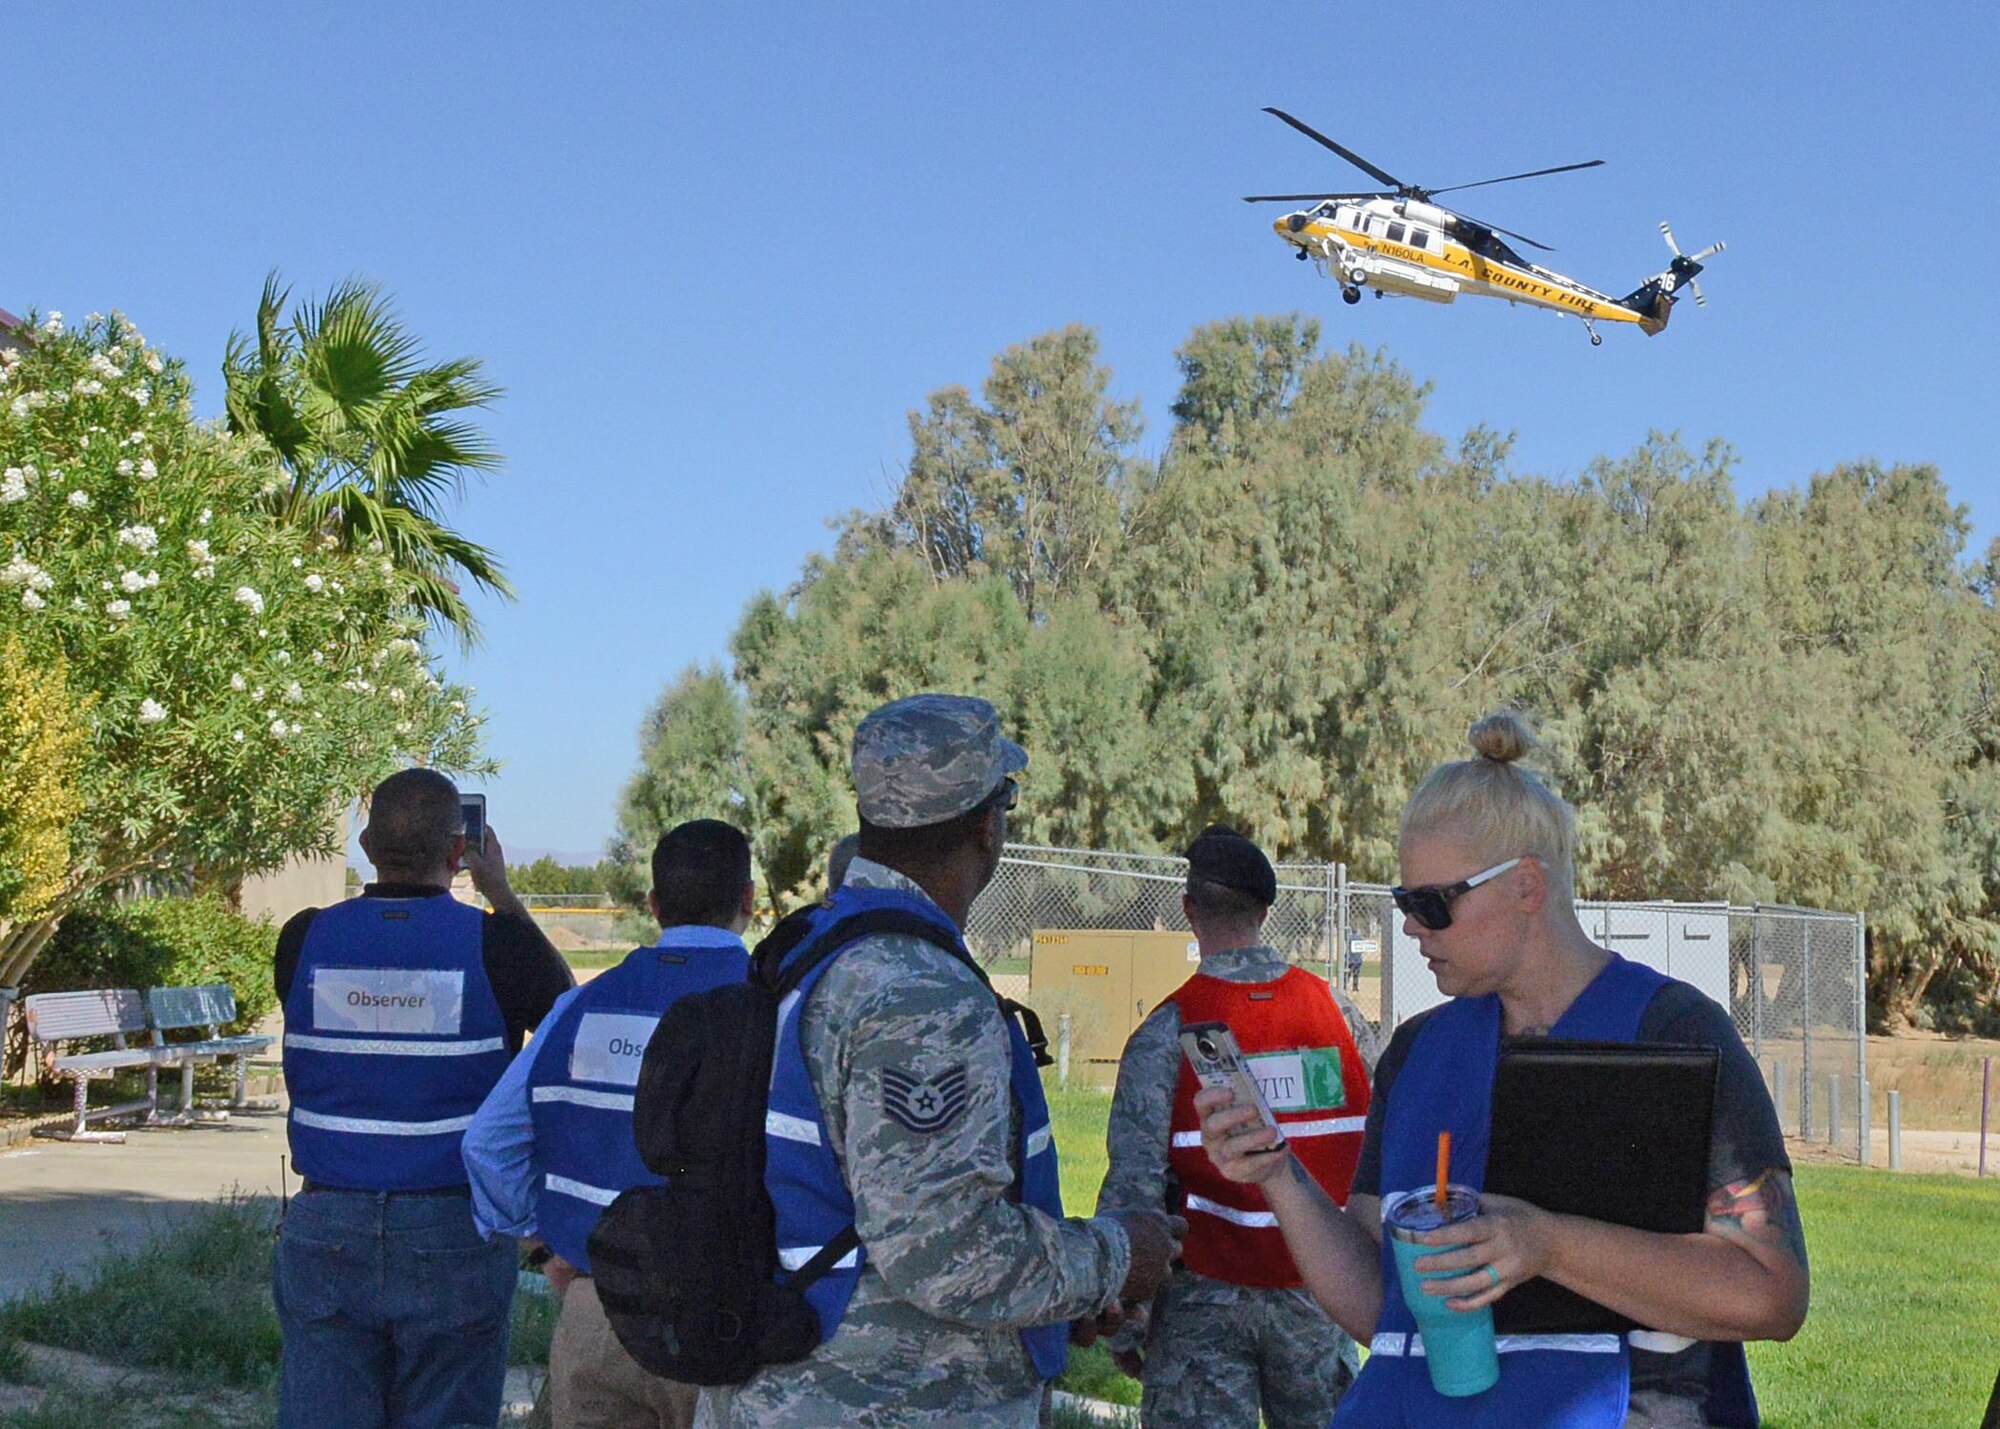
(829, 1255)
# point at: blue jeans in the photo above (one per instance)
(394, 1313)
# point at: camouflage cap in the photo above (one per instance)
(929, 758)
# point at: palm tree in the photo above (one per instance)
(370, 436)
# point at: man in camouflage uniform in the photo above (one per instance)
(953, 1268)
(1214, 1351)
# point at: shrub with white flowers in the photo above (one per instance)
(136, 543)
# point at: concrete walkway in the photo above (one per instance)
(62, 1204)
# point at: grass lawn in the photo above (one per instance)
(195, 1305)
(598, 958)
(1906, 1293)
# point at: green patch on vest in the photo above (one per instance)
(1308, 1079)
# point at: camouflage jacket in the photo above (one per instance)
(954, 1269)
(1142, 1106)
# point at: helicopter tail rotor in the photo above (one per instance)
(1686, 265)
(1653, 299)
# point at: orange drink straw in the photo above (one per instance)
(1444, 1163)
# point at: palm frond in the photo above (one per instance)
(372, 436)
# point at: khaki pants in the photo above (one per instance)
(594, 1384)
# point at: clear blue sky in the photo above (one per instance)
(715, 253)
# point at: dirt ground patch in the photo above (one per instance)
(1938, 1077)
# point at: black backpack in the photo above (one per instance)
(688, 1272)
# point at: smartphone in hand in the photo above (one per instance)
(473, 808)
(1216, 1060)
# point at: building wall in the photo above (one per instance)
(302, 883)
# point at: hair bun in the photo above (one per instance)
(1503, 737)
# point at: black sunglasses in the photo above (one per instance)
(1004, 797)
(1431, 904)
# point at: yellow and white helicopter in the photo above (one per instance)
(1396, 241)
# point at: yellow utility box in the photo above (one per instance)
(1107, 981)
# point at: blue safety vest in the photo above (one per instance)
(1546, 1381)
(580, 1085)
(392, 1040)
(812, 1201)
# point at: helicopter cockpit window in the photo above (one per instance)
(1395, 233)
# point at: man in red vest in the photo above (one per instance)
(1234, 1335)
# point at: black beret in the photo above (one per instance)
(1221, 855)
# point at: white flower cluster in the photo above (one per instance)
(281, 729)
(79, 499)
(151, 711)
(144, 537)
(118, 609)
(104, 367)
(237, 682)
(295, 692)
(52, 324)
(133, 582)
(245, 596)
(22, 571)
(147, 471)
(315, 583)
(14, 483)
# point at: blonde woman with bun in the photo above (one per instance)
(1488, 866)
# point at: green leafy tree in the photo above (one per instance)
(691, 766)
(1299, 608)
(1030, 485)
(238, 677)
(42, 740)
(372, 437)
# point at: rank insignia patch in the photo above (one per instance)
(924, 1104)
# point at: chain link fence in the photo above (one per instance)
(1792, 978)
(1039, 887)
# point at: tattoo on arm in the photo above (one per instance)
(1760, 1212)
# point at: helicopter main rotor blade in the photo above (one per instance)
(1307, 198)
(1532, 174)
(1348, 154)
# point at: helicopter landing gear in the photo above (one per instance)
(1596, 339)
(1301, 254)
(1350, 295)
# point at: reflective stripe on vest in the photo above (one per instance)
(581, 1084)
(1302, 1050)
(393, 1039)
(812, 1201)
(1446, 1083)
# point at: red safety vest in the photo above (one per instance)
(1304, 1057)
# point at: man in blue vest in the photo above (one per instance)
(402, 1008)
(904, 1105)
(552, 1146)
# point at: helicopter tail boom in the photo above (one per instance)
(1654, 299)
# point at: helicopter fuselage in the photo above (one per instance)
(1418, 250)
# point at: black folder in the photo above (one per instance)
(1616, 1131)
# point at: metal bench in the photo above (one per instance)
(56, 1017)
(176, 1009)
